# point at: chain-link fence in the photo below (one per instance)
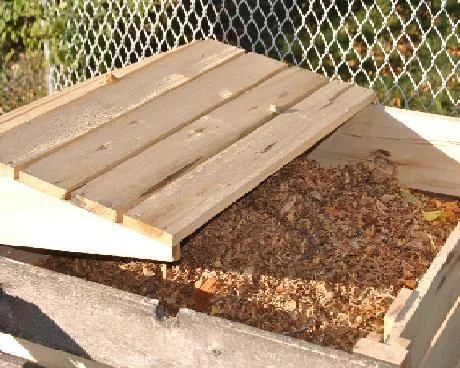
(407, 51)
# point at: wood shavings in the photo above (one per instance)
(317, 254)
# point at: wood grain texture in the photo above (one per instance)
(60, 126)
(189, 202)
(120, 329)
(33, 219)
(443, 350)
(100, 150)
(45, 104)
(425, 147)
(128, 184)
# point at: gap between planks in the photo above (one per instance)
(48, 132)
(117, 141)
(180, 208)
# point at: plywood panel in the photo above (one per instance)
(129, 183)
(190, 201)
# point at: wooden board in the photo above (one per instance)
(120, 329)
(419, 320)
(45, 104)
(98, 151)
(425, 147)
(66, 123)
(33, 219)
(8, 361)
(189, 202)
(135, 179)
(42, 355)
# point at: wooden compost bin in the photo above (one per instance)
(68, 163)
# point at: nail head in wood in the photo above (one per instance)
(275, 109)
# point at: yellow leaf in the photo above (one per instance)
(409, 197)
(215, 310)
(432, 215)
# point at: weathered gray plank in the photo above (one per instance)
(8, 361)
(45, 104)
(128, 184)
(42, 355)
(52, 130)
(98, 151)
(120, 329)
(189, 202)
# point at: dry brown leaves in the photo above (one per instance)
(318, 254)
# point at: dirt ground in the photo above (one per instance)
(314, 253)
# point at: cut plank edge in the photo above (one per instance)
(42, 186)
(149, 230)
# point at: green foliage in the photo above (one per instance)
(26, 24)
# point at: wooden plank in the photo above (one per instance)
(75, 164)
(42, 355)
(60, 126)
(394, 311)
(419, 320)
(443, 351)
(43, 105)
(137, 178)
(33, 219)
(186, 204)
(120, 329)
(425, 147)
(8, 361)
(391, 354)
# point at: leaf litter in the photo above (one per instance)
(317, 254)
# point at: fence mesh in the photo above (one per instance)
(407, 51)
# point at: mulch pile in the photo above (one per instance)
(314, 253)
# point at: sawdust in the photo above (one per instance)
(317, 254)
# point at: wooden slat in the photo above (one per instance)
(50, 131)
(120, 329)
(8, 361)
(43, 356)
(186, 204)
(99, 151)
(443, 350)
(419, 320)
(129, 183)
(425, 147)
(45, 104)
(391, 354)
(31, 111)
(33, 219)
